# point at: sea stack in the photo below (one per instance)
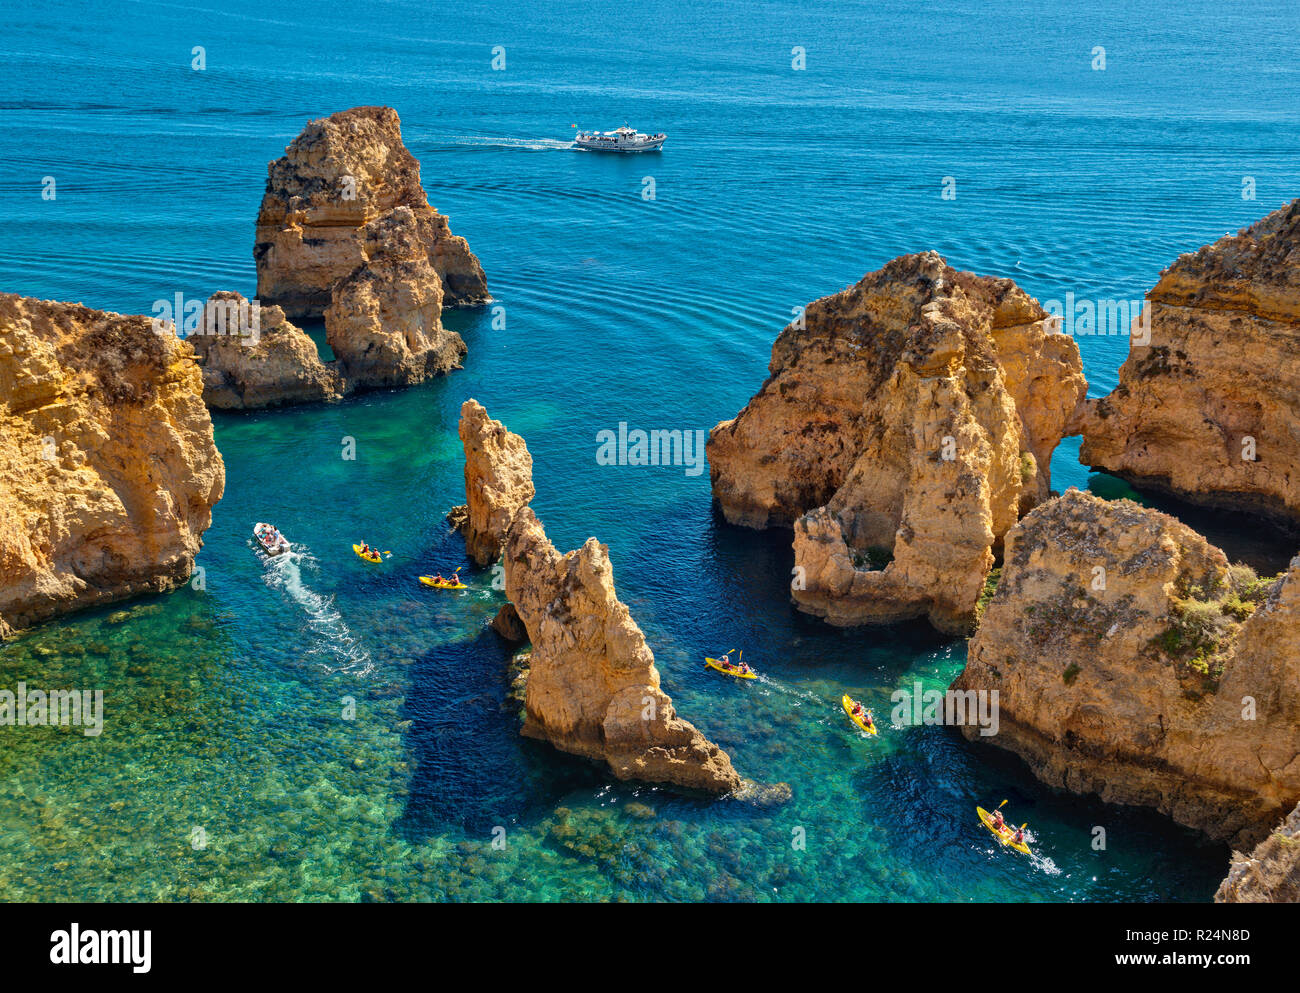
(108, 469)
(593, 689)
(340, 174)
(384, 321)
(253, 357)
(1207, 409)
(906, 423)
(498, 481)
(1132, 662)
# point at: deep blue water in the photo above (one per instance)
(776, 186)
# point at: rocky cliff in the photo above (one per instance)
(1133, 662)
(384, 321)
(108, 470)
(252, 357)
(498, 481)
(906, 423)
(1207, 408)
(593, 689)
(1271, 873)
(338, 175)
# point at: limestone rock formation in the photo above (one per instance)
(1207, 409)
(338, 175)
(498, 481)
(1271, 873)
(1133, 662)
(593, 689)
(108, 470)
(904, 426)
(252, 357)
(384, 322)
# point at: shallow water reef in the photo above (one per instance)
(108, 468)
(1206, 406)
(593, 689)
(906, 423)
(340, 174)
(1132, 661)
(498, 481)
(254, 358)
(1271, 873)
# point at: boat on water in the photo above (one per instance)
(624, 139)
(269, 539)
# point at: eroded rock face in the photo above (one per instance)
(910, 422)
(1271, 873)
(1218, 382)
(341, 173)
(252, 357)
(593, 689)
(384, 322)
(498, 481)
(1132, 662)
(108, 470)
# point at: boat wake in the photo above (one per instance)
(522, 144)
(336, 648)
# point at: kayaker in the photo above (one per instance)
(1020, 835)
(997, 820)
(868, 721)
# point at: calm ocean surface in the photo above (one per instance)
(225, 770)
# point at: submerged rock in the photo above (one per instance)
(593, 689)
(384, 321)
(108, 469)
(906, 423)
(1131, 661)
(1207, 408)
(1271, 873)
(341, 173)
(270, 364)
(498, 481)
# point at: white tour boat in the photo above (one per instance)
(270, 539)
(624, 139)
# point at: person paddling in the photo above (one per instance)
(1020, 835)
(998, 822)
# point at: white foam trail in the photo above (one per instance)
(527, 144)
(335, 641)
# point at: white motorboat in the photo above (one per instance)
(269, 539)
(624, 139)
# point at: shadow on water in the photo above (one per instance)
(1264, 545)
(470, 768)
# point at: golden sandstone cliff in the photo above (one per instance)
(1132, 661)
(592, 687)
(498, 481)
(251, 357)
(108, 470)
(1207, 409)
(340, 174)
(905, 425)
(1271, 873)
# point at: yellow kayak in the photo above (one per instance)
(847, 703)
(1007, 835)
(377, 557)
(444, 585)
(723, 666)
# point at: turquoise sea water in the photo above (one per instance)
(226, 769)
